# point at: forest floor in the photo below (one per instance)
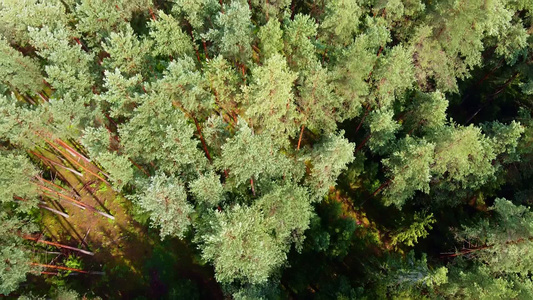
(129, 253)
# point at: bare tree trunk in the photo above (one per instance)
(29, 238)
(58, 267)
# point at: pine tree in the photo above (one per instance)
(426, 110)
(270, 39)
(503, 242)
(15, 258)
(328, 159)
(69, 68)
(407, 278)
(16, 17)
(20, 72)
(349, 77)
(269, 100)
(240, 247)
(383, 128)
(320, 106)
(287, 210)
(97, 19)
(233, 34)
(341, 22)
(159, 133)
(16, 173)
(478, 282)
(198, 13)
(393, 75)
(463, 157)
(271, 9)
(248, 156)
(224, 82)
(122, 93)
(298, 37)
(419, 227)
(169, 39)
(409, 170)
(208, 189)
(165, 199)
(127, 52)
(186, 86)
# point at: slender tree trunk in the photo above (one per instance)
(72, 151)
(152, 14)
(29, 238)
(252, 185)
(55, 211)
(58, 267)
(78, 203)
(363, 119)
(301, 135)
(73, 192)
(381, 187)
(78, 164)
(56, 163)
(139, 167)
(202, 139)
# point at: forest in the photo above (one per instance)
(266, 149)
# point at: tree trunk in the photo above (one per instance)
(29, 238)
(58, 267)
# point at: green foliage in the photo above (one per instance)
(341, 22)
(463, 155)
(17, 16)
(119, 168)
(409, 236)
(237, 118)
(409, 170)
(241, 248)
(122, 92)
(169, 135)
(321, 108)
(287, 212)
(504, 241)
(233, 33)
(186, 86)
(253, 156)
(427, 110)
(329, 159)
(349, 77)
(168, 38)
(269, 100)
(97, 19)
(223, 81)
(478, 282)
(198, 13)
(18, 71)
(16, 172)
(69, 68)
(74, 262)
(208, 189)
(127, 52)
(382, 130)
(394, 74)
(407, 278)
(271, 39)
(165, 199)
(14, 256)
(298, 36)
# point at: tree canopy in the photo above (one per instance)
(276, 149)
